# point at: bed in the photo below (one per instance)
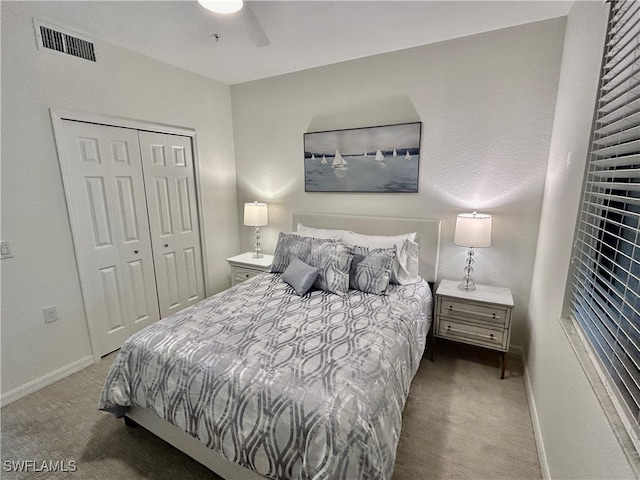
(262, 381)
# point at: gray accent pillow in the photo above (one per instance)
(333, 261)
(371, 269)
(300, 276)
(406, 264)
(289, 245)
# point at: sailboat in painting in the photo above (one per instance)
(407, 156)
(379, 156)
(338, 161)
(324, 160)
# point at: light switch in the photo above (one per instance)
(5, 250)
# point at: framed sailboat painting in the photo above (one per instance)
(383, 159)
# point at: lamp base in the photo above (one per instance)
(467, 286)
(258, 250)
(467, 283)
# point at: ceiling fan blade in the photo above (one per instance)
(256, 32)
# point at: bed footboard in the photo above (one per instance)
(189, 445)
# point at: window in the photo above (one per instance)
(605, 286)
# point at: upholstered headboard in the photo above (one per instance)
(427, 232)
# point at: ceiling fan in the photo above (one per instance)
(242, 9)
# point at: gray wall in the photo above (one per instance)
(576, 436)
(34, 214)
(486, 105)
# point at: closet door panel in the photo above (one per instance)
(114, 301)
(144, 302)
(128, 211)
(135, 247)
(136, 250)
(104, 187)
(170, 274)
(173, 215)
(162, 206)
(98, 214)
(192, 287)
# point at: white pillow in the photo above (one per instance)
(405, 265)
(324, 233)
(378, 241)
(408, 259)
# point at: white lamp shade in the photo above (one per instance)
(256, 214)
(221, 6)
(473, 230)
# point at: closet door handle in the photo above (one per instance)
(166, 245)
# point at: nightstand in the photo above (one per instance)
(479, 317)
(244, 266)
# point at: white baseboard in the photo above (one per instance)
(542, 456)
(44, 381)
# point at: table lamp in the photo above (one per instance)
(473, 230)
(256, 215)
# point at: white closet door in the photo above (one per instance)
(167, 162)
(102, 173)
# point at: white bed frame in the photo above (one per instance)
(427, 235)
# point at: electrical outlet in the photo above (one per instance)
(5, 250)
(50, 314)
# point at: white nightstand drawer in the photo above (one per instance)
(241, 274)
(493, 338)
(246, 266)
(474, 311)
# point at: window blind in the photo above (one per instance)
(605, 286)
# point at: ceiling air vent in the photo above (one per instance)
(54, 38)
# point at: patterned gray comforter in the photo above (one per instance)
(290, 387)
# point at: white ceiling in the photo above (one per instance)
(302, 34)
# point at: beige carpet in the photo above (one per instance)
(461, 421)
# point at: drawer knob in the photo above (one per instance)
(491, 336)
